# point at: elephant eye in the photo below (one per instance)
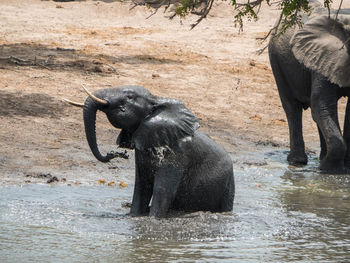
(130, 97)
(121, 108)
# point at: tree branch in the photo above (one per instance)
(336, 16)
(205, 13)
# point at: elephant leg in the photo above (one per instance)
(323, 144)
(294, 114)
(324, 111)
(346, 134)
(293, 110)
(166, 182)
(228, 196)
(141, 198)
(297, 153)
(143, 187)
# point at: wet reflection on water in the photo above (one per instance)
(326, 199)
(281, 214)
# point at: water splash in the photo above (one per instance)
(281, 214)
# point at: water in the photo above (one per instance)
(281, 214)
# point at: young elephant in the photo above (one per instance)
(177, 166)
(311, 66)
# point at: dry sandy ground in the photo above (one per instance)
(49, 49)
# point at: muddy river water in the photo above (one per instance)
(281, 214)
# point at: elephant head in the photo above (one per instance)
(146, 120)
(323, 45)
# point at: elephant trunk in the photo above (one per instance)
(90, 110)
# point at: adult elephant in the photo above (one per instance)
(177, 166)
(311, 66)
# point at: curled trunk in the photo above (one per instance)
(90, 110)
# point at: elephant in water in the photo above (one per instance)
(177, 166)
(311, 66)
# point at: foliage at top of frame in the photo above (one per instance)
(291, 10)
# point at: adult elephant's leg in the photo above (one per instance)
(346, 134)
(294, 111)
(297, 153)
(323, 144)
(143, 186)
(324, 111)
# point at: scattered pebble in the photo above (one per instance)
(123, 184)
(101, 181)
(126, 204)
(39, 175)
(52, 180)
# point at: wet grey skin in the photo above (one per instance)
(176, 166)
(311, 66)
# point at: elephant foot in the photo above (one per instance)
(343, 170)
(138, 212)
(347, 162)
(133, 214)
(295, 158)
(333, 166)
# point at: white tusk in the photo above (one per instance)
(101, 101)
(81, 105)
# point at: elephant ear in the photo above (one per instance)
(169, 122)
(323, 45)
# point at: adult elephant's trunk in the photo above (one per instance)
(90, 110)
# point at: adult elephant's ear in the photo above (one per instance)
(323, 45)
(169, 122)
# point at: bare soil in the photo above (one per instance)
(49, 49)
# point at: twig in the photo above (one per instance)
(257, 12)
(261, 50)
(156, 10)
(272, 29)
(275, 28)
(336, 16)
(253, 4)
(205, 13)
(135, 4)
(329, 11)
(156, 6)
(168, 5)
(172, 16)
(65, 49)
(113, 69)
(23, 62)
(16, 60)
